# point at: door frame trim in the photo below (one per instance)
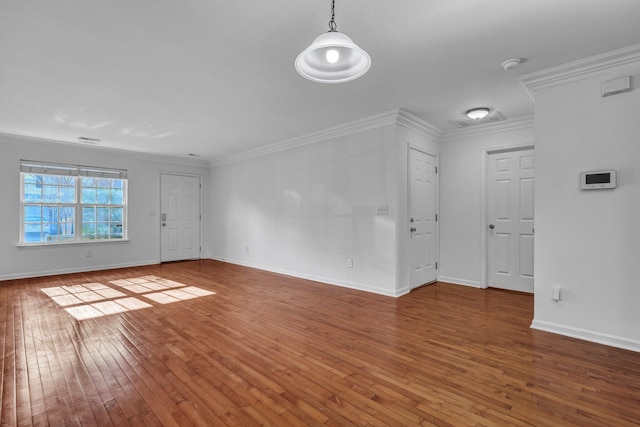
(416, 147)
(200, 195)
(484, 233)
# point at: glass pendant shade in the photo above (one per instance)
(332, 58)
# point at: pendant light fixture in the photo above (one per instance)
(332, 57)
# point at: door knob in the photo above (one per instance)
(412, 229)
(491, 226)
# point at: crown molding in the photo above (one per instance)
(517, 123)
(580, 69)
(413, 122)
(400, 116)
(15, 139)
(311, 138)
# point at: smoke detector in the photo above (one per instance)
(510, 64)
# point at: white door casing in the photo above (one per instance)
(510, 216)
(180, 217)
(422, 222)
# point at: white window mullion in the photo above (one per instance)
(78, 227)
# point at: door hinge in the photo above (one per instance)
(436, 169)
(436, 217)
(436, 265)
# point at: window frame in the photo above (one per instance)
(78, 175)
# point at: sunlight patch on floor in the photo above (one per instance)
(92, 300)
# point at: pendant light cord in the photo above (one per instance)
(333, 27)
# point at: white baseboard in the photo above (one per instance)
(321, 279)
(587, 335)
(463, 282)
(402, 291)
(77, 270)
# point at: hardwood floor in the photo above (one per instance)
(273, 350)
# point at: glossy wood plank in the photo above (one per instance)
(267, 349)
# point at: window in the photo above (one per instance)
(67, 203)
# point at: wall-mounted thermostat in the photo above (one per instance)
(598, 180)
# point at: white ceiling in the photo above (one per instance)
(216, 77)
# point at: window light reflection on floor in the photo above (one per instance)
(91, 300)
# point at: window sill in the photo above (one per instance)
(72, 243)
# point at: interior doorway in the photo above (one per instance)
(180, 217)
(422, 217)
(510, 219)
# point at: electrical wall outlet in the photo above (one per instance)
(89, 253)
(350, 262)
(382, 210)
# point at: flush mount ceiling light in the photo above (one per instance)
(477, 113)
(332, 57)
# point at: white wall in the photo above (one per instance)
(462, 196)
(143, 246)
(588, 242)
(304, 211)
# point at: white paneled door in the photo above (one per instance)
(180, 217)
(510, 187)
(422, 221)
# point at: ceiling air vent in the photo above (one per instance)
(87, 140)
(494, 116)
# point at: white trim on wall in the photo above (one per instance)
(412, 122)
(580, 69)
(400, 117)
(456, 281)
(315, 278)
(102, 151)
(587, 335)
(43, 273)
